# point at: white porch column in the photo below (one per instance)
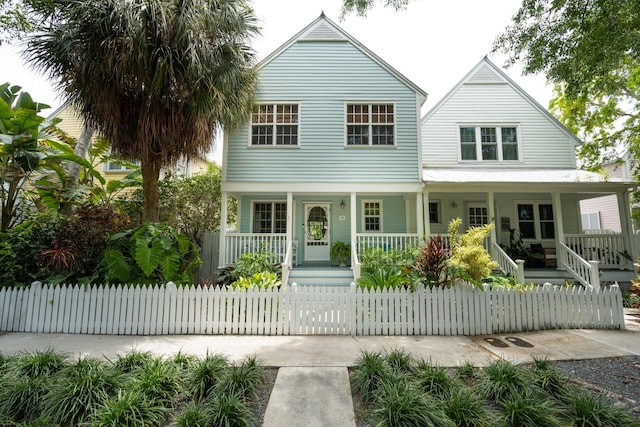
(420, 215)
(353, 217)
(491, 212)
(425, 220)
(557, 212)
(222, 255)
(625, 224)
(289, 217)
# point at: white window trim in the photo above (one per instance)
(536, 219)
(253, 209)
(477, 205)
(439, 209)
(370, 144)
(274, 145)
(362, 216)
(498, 127)
(121, 168)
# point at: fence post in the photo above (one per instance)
(520, 271)
(616, 306)
(352, 309)
(595, 274)
(295, 311)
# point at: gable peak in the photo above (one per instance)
(484, 73)
(322, 29)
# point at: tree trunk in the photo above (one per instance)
(150, 177)
(82, 145)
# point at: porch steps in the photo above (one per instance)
(321, 276)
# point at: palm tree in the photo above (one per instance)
(155, 77)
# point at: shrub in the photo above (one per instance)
(374, 258)
(384, 277)
(251, 263)
(432, 261)
(151, 253)
(20, 245)
(76, 248)
(262, 280)
(467, 251)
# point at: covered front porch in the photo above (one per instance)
(538, 231)
(302, 225)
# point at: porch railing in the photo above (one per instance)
(237, 244)
(585, 272)
(356, 265)
(286, 264)
(608, 249)
(509, 266)
(400, 241)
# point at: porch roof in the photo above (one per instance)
(573, 179)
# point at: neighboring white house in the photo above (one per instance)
(601, 214)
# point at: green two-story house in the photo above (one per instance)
(331, 153)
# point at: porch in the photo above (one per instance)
(585, 258)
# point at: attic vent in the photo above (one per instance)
(322, 31)
(485, 75)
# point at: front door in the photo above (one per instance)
(316, 232)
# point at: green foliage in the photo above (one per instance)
(401, 403)
(159, 381)
(374, 258)
(78, 389)
(435, 380)
(501, 379)
(466, 409)
(432, 262)
(204, 375)
(21, 245)
(526, 411)
(361, 7)
(585, 409)
(383, 277)
(261, 280)
(241, 380)
(150, 253)
(588, 50)
(467, 251)
(341, 252)
(129, 408)
(370, 372)
(75, 251)
(228, 410)
(251, 263)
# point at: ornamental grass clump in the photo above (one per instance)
(159, 380)
(548, 379)
(435, 380)
(467, 409)
(585, 409)
(133, 361)
(529, 411)
(80, 388)
(370, 372)
(501, 379)
(399, 361)
(204, 375)
(228, 410)
(241, 380)
(401, 403)
(129, 408)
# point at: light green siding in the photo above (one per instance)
(322, 76)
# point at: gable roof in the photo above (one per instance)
(486, 72)
(324, 29)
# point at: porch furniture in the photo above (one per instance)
(539, 255)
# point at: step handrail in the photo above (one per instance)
(509, 266)
(355, 262)
(585, 272)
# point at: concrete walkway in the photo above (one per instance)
(312, 386)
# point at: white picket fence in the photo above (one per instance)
(300, 310)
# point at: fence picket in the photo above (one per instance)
(156, 309)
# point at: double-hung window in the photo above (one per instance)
(269, 217)
(434, 212)
(489, 143)
(371, 215)
(535, 220)
(274, 124)
(370, 125)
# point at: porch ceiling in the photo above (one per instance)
(525, 180)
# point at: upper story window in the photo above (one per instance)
(274, 124)
(370, 124)
(489, 143)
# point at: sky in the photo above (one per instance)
(434, 43)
